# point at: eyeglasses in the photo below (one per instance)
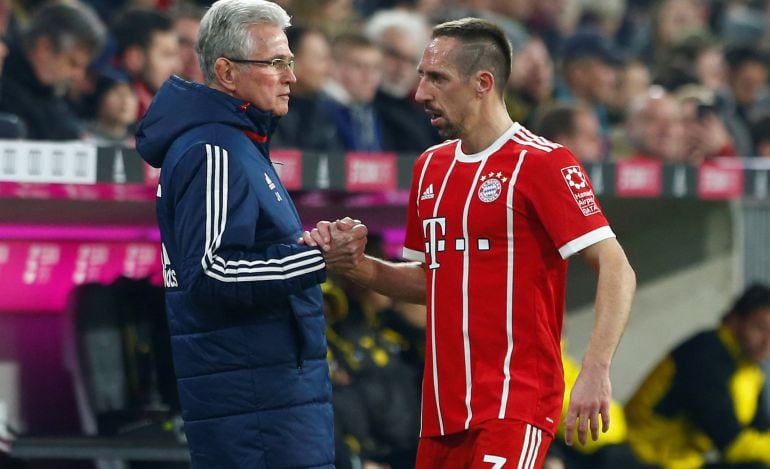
(279, 64)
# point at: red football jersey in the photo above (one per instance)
(494, 230)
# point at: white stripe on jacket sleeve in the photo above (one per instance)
(282, 268)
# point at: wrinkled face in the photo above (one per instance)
(264, 86)
(161, 59)
(313, 62)
(119, 105)
(360, 72)
(442, 90)
(187, 32)
(753, 334)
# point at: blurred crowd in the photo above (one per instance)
(673, 80)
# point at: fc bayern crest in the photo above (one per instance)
(490, 190)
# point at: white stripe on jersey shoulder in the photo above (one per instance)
(527, 138)
(491, 149)
(588, 239)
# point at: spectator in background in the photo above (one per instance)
(705, 135)
(634, 80)
(356, 75)
(308, 126)
(113, 106)
(147, 51)
(575, 127)
(186, 18)
(746, 95)
(531, 85)
(706, 395)
(401, 37)
(710, 67)
(673, 21)
(760, 133)
(654, 127)
(589, 73)
(694, 60)
(55, 49)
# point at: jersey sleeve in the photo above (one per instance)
(414, 249)
(216, 214)
(563, 199)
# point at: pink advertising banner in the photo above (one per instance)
(37, 276)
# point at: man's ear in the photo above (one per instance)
(133, 59)
(225, 73)
(485, 83)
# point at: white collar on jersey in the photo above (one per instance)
(483, 154)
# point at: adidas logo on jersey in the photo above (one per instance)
(428, 194)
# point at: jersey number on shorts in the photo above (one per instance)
(497, 461)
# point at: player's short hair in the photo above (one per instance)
(754, 298)
(224, 30)
(485, 47)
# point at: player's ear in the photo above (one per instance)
(484, 82)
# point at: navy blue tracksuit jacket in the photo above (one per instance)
(243, 298)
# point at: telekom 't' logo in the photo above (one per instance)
(434, 230)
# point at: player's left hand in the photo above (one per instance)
(589, 400)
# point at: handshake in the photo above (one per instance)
(342, 243)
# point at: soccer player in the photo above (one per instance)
(493, 215)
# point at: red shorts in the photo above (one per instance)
(494, 444)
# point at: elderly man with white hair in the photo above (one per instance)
(243, 300)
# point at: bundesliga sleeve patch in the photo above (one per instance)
(581, 192)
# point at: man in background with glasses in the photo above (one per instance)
(243, 299)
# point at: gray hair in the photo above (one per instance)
(224, 30)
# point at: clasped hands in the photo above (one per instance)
(341, 241)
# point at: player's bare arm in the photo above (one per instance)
(590, 398)
(401, 281)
